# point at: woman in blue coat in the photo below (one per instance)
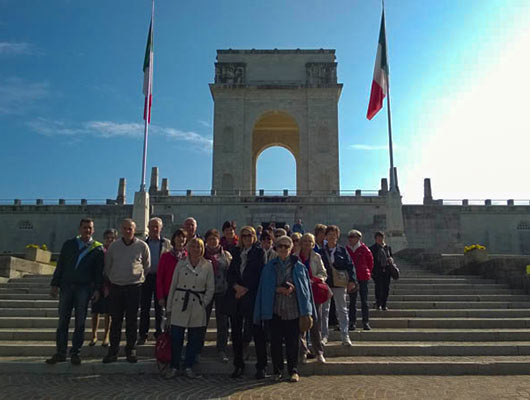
(284, 296)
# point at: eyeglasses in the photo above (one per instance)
(283, 246)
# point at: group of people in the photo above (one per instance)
(268, 285)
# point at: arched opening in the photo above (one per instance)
(276, 170)
(275, 128)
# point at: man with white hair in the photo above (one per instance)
(157, 246)
(127, 262)
(190, 226)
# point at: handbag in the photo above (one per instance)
(321, 290)
(305, 322)
(340, 277)
(394, 271)
(163, 350)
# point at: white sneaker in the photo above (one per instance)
(324, 340)
(346, 341)
(321, 359)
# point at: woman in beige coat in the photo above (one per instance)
(192, 289)
(313, 262)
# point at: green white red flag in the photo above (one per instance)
(148, 75)
(380, 79)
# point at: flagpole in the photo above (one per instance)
(393, 178)
(148, 115)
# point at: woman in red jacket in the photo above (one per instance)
(364, 263)
(166, 265)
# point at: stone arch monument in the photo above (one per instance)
(286, 98)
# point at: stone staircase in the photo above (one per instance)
(436, 325)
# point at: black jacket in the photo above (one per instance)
(342, 262)
(89, 270)
(249, 279)
(381, 254)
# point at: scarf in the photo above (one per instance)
(213, 255)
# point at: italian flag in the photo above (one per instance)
(148, 75)
(380, 80)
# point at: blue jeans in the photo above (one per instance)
(193, 348)
(72, 296)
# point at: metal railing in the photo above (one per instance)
(274, 193)
(50, 202)
(483, 202)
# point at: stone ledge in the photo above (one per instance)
(13, 267)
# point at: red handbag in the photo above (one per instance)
(321, 290)
(163, 350)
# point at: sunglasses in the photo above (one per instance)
(283, 246)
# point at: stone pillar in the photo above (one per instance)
(121, 199)
(384, 187)
(153, 188)
(395, 232)
(165, 187)
(427, 191)
(141, 213)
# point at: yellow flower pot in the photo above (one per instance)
(38, 255)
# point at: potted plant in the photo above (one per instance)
(38, 254)
(475, 253)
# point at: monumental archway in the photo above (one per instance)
(275, 128)
(286, 98)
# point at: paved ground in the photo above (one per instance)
(222, 387)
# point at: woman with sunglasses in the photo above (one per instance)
(243, 280)
(285, 299)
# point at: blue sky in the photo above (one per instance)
(71, 101)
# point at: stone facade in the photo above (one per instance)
(284, 98)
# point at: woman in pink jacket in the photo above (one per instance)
(166, 265)
(364, 263)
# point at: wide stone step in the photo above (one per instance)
(399, 291)
(426, 365)
(386, 335)
(423, 305)
(394, 313)
(428, 323)
(51, 322)
(450, 280)
(412, 297)
(394, 290)
(332, 349)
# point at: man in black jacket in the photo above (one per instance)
(381, 272)
(77, 278)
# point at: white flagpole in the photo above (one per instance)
(148, 101)
(393, 178)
